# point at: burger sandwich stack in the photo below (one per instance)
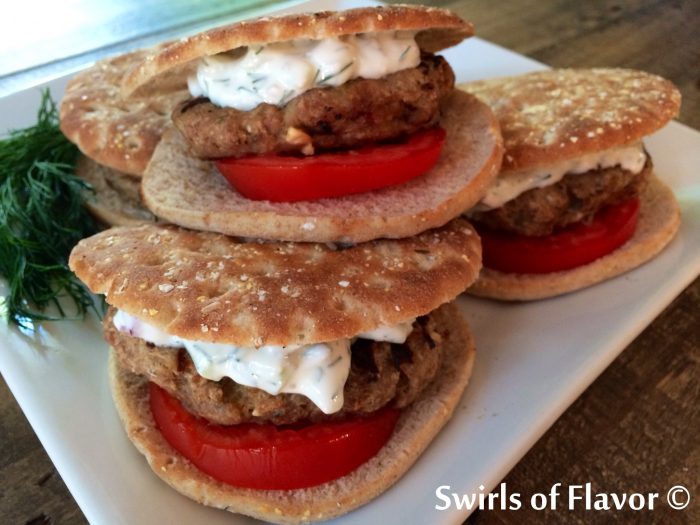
(286, 348)
(577, 201)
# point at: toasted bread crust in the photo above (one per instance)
(116, 200)
(192, 193)
(659, 220)
(559, 114)
(416, 428)
(117, 133)
(210, 287)
(437, 29)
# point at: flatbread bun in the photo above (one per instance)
(659, 220)
(210, 287)
(115, 132)
(115, 199)
(560, 114)
(437, 29)
(191, 192)
(416, 428)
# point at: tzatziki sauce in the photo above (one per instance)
(510, 185)
(317, 371)
(276, 73)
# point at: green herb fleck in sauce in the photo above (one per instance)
(329, 77)
(41, 218)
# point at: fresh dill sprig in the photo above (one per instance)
(41, 218)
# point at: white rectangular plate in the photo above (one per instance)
(533, 361)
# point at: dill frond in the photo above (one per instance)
(41, 218)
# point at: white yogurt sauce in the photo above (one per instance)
(392, 334)
(317, 371)
(278, 72)
(510, 185)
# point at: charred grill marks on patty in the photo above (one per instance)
(362, 111)
(381, 374)
(575, 198)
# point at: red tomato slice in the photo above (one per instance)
(280, 178)
(267, 456)
(573, 246)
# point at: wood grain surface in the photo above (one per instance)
(636, 428)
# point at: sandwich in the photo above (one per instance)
(295, 381)
(291, 382)
(116, 136)
(577, 201)
(322, 127)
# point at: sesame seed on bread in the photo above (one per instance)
(191, 192)
(115, 132)
(560, 114)
(437, 29)
(416, 428)
(115, 198)
(659, 220)
(210, 287)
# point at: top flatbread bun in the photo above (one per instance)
(118, 133)
(437, 29)
(210, 287)
(561, 114)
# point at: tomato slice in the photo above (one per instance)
(568, 248)
(265, 456)
(280, 178)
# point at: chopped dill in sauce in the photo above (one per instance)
(330, 77)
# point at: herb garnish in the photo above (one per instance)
(41, 218)
(329, 77)
(288, 94)
(255, 78)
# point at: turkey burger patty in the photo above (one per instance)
(381, 373)
(359, 112)
(576, 198)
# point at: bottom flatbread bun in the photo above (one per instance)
(416, 428)
(190, 192)
(116, 200)
(659, 219)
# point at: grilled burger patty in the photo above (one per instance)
(381, 374)
(359, 112)
(574, 198)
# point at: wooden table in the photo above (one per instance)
(636, 428)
